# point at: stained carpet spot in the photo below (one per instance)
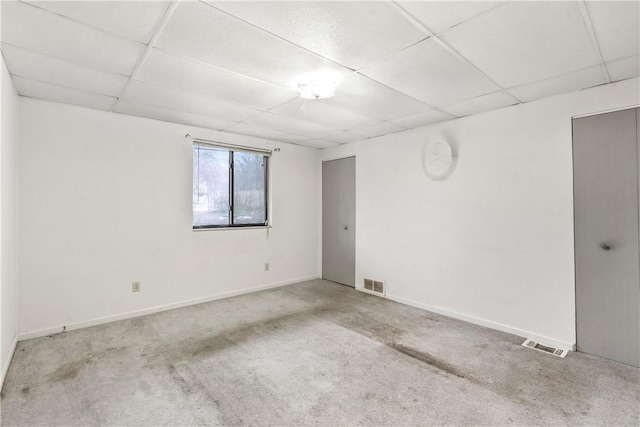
(66, 372)
(427, 358)
(184, 385)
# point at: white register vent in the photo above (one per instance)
(529, 343)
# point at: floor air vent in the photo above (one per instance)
(544, 348)
(374, 286)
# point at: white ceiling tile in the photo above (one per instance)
(316, 111)
(41, 90)
(361, 94)
(379, 129)
(490, 101)
(428, 72)
(617, 27)
(202, 32)
(344, 137)
(212, 69)
(171, 99)
(290, 125)
(523, 42)
(273, 135)
(588, 77)
(182, 73)
(151, 112)
(422, 119)
(437, 16)
(35, 29)
(48, 69)
(135, 20)
(318, 143)
(625, 68)
(354, 34)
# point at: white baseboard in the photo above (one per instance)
(151, 310)
(5, 368)
(486, 323)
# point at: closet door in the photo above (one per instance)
(338, 221)
(605, 156)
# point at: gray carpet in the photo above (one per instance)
(307, 354)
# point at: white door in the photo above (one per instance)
(605, 157)
(338, 221)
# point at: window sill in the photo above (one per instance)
(249, 227)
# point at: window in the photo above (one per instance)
(229, 186)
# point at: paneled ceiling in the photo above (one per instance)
(231, 65)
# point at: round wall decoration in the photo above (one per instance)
(438, 159)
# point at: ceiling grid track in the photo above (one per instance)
(167, 61)
(352, 71)
(450, 49)
(433, 108)
(45, 55)
(337, 107)
(278, 37)
(156, 35)
(586, 16)
(235, 73)
(79, 22)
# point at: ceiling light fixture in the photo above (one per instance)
(317, 85)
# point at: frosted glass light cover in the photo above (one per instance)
(317, 85)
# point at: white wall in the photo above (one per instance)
(105, 199)
(8, 238)
(493, 243)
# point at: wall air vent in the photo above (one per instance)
(529, 343)
(378, 287)
(368, 284)
(374, 286)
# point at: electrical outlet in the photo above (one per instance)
(135, 286)
(266, 266)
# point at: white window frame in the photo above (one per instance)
(232, 148)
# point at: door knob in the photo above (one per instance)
(605, 246)
(346, 227)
